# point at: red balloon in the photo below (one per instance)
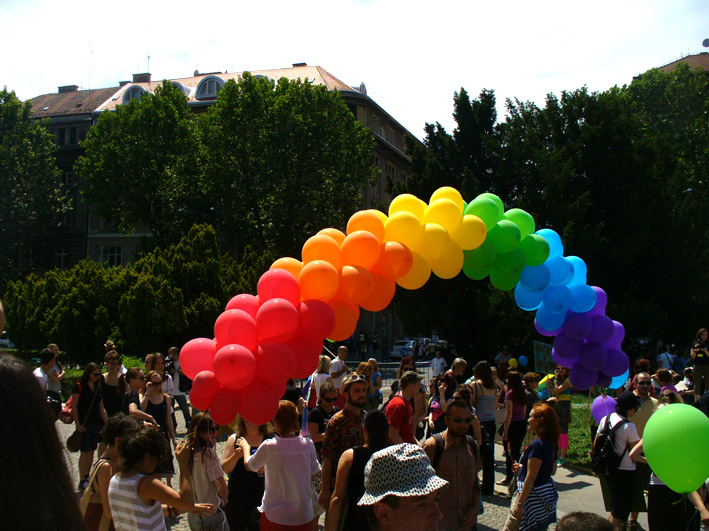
(204, 387)
(381, 295)
(236, 327)
(246, 302)
(317, 321)
(234, 366)
(196, 356)
(258, 403)
(275, 362)
(307, 356)
(225, 406)
(279, 284)
(276, 320)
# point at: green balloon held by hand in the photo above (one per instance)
(675, 441)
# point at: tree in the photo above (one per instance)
(30, 201)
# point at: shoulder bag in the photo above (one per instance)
(76, 439)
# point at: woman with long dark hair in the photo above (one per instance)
(350, 474)
(484, 401)
(534, 501)
(38, 493)
(89, 416)
(515, 423)
(130, 386)
(158, 405)
(208, 481)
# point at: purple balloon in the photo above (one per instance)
(593, 356)
(582, 378)
(567, 347)
(601, 329)
(616, 363)
(546, 333)
(577, 325)
(603, 380)
(563, 362)
(616, 340)
(601, 302)
(603, 405)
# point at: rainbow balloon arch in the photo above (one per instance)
(262, 341)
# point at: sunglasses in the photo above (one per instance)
(326, 399)
(461, 420)
(643, 383)
(156, 383)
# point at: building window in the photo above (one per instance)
(112, 256)
(376, 125)
(67, 178)
(61, 258)
(133, 93)
(209, 87)
(390, 136)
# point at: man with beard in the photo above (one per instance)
(344, 431)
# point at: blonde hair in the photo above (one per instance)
(323, 365)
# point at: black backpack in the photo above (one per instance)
(604, 460)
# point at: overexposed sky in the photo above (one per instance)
(412, 55)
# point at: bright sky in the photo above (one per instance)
(412, 55)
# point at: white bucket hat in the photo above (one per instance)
(402, 470)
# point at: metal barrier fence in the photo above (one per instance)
(389, 370)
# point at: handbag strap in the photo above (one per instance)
(91, 405)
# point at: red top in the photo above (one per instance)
(401, 416)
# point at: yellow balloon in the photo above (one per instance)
(434, 243)
(450, 263)
(471, 232)
(369, 221)
(444, 212)
(291, 265)
(513, 363)
(381, 215)
(404, 227)
(448, 192)
(417, 276)
(408, 203)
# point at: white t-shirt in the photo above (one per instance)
(41, 377)
(336, 366)
(51, 384)
(319, 379)
(624, 435)
(168, 386)
(289, 464)
(206, 470)
(438, 365)
(176, 379)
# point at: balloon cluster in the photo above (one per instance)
(261, 341)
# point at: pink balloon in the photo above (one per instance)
(275, 362)
(234, 366)
(225, 406)
(276, 320)
(245, 302)
(196, 356)
(317, 320)
(279, 284)
(236, 327)
(307, 356)
(258, 402)
(204, 387)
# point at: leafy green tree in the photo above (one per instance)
(30, 201)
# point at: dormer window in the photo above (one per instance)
(133, 93)
(209, 87)
(181, 88)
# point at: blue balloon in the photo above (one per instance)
(580, 270)
(556, 248)
(523, 361)
(557, 299)
(535, 278)
(583, 297)
(562, 271)
(549, 321)
(619, 381)
(527, 300)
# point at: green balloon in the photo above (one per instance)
(475, 274)
(511, 263)
(535, 249)
(481, 258)
(485, 209)
(523, 220)
(498, 202)
(503, 282)
(675, 441)
(505, 236)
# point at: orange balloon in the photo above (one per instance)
(318, 280)
(346, 317)
(335, 234)
(368, 220)
(291, 265)
(321, 247)
(395, 260)
(417, 276)
(360, 248)
(382, 294)
(356, 285)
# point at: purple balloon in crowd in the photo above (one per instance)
(616, 340)
(601, 329)
(582, 378)
(603, 380)
(616, 364)
(577, 325)
(567, 347)
(601, 302)
(564, 362)
(593, 356)
(603, 405)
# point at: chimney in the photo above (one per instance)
(123, 83)
(68, 88)
(295, 65)
(141, 78)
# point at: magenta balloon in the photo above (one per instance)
(236, 327)
(616, 364)
(564, 362)
(246, 302)
(276, 362)
(204, 387)
(582, 378)
(593, 356)
(577, 325)
(546, 333)
(603, 405)
(258, 402)
(616, 341)
(601, 329)
(276, 320)
(234, 366)
(279, 284)
(196, 356)
(601, 302)
(317, 320)
(567, 347)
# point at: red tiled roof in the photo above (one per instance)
(699, 60)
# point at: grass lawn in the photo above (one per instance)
(580, 431)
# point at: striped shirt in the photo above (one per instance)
(128, 510)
